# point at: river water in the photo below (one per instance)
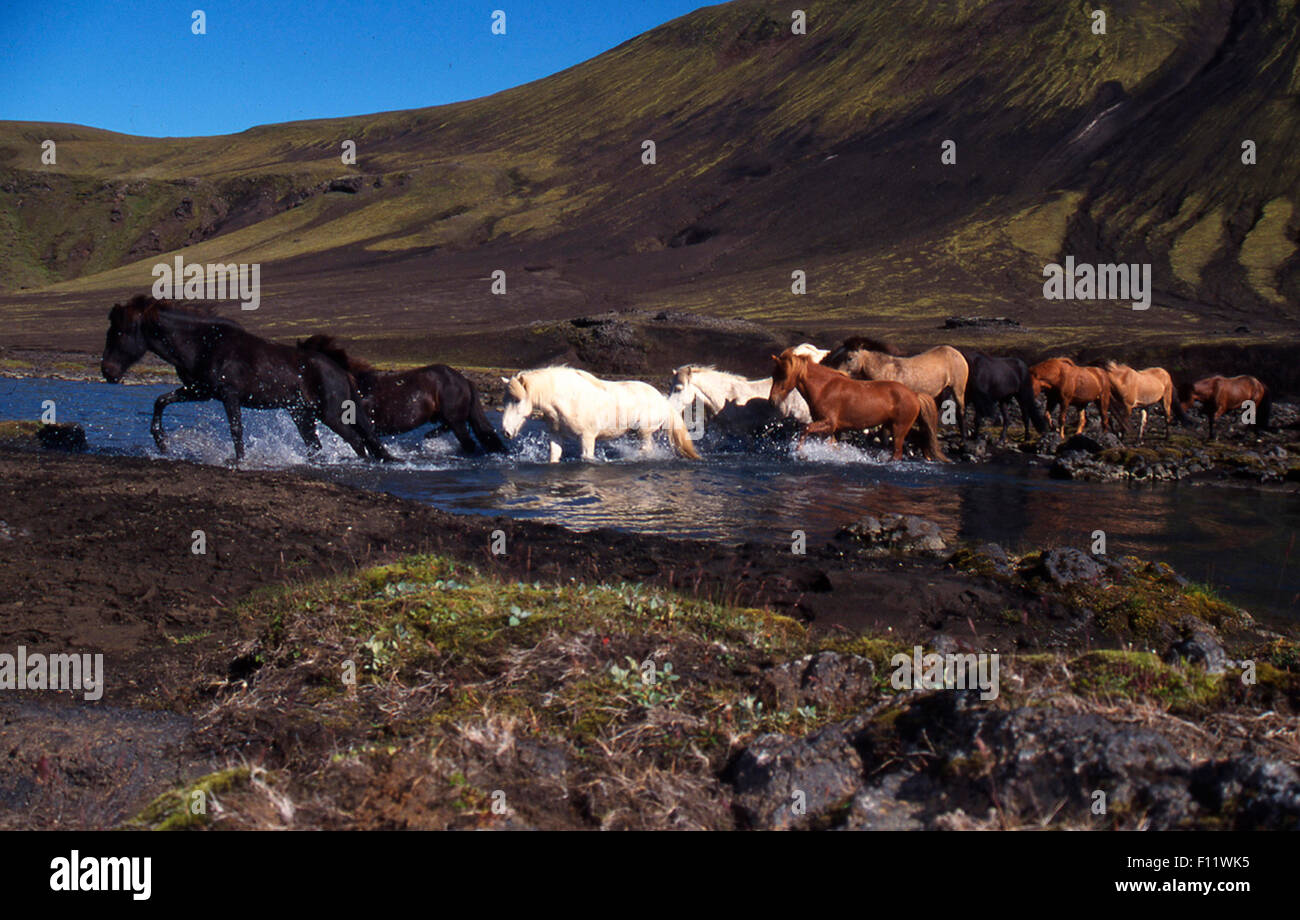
(1238, 539)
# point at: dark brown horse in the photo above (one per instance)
(840, 403)
(1218, 395)
(993, 383)
(399, 401)
(216, 358)
(1068, 384)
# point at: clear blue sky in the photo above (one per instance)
(135, 66)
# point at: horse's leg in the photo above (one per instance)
(900, 429)
(182, 394)
(1006, 421)
(467, 443)
(438, 427)
(588, 446)
(332, 416)
(824, 426)
(235, 417)
(556, 450)
(647, 441)
(1142, 424)
(306, 422)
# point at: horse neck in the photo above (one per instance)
(872, 361)
(709, 397)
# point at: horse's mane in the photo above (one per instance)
(145, 308)
(329, 346)
(866, 343)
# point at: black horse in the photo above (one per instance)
(399, 401)
(993, 383)
(216, 358)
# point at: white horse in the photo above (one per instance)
(579, 404)
(811, 351)
(715, 388)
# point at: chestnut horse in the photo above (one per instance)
(1218, 395)
(931, 372)
(1069, 384)
(1151, 386)
(840, 403)
(400, 401)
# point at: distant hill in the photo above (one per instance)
(776, 152)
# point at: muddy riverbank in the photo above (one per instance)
(477, 673)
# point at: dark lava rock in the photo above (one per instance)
(1040, 761)
(896, 533)
(827, 679)
(948, 755)
(1080, 443)
(784, 782)
(351, 185)
(1252, 793)
(1066, 566)
(62, 436)
(1200, 648)
(963, 322)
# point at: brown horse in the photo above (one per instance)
(400, 401)
(1218, 395)
(1151, 386)
(1069, 384)
(930, 373)
(840, 403)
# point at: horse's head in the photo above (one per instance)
(125, 343)
(518, 405)
(788, 368)
(682, 390)
(1043, 374)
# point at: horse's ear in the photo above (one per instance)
(775, 358)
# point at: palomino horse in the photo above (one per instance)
(216, 358)
(398, 401)
(1150, 386)
(576, 403)
(715, 388)
(931, 372)
(1069, 385)
(1218, 395)
(993, 384)
(840, 403)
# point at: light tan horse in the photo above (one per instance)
(929, 373)
(1151, 386)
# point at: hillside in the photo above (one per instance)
(775, 152)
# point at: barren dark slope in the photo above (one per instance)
(775, 152)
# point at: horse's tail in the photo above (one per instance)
(1183, 396)
(1029, 404)
(681, 438)
(1263, 409)
(928, 419)
(478, 420)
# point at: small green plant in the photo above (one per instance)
(647, 686)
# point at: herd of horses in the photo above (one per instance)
(860, 385)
